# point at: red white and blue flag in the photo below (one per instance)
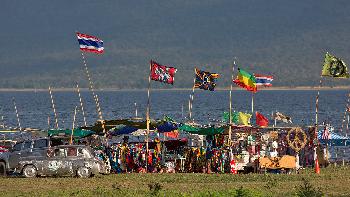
(90, 43)
(263, 80)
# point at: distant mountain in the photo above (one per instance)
(286, 39)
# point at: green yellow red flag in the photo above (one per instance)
(246, 80)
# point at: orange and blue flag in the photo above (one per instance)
(205, 80)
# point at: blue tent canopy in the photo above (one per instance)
(334, 139)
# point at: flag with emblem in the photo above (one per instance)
(334, 67)
(162, 73)
(205, 80)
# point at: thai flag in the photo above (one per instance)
(262, 80)
(90, 43)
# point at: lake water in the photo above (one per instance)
(35, 107)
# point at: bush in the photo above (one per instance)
(307, 190)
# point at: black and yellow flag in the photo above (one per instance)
(334, 67)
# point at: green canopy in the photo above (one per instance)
(67, 132)
(202, 131)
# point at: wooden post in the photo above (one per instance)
(230, 112)
(18, 122)
(54, 109)
(81, 104)
(71, 136)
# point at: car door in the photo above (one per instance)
(15, 155)
(26, 150)
(56, 162)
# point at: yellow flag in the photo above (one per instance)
(244, 119)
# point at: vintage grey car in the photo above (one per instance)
(68, 160)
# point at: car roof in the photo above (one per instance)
(67, 146)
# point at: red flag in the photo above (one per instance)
(261, 120)
(173, 134)
(162, 73)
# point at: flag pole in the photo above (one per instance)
(71, 136)
(347, 125)
(148, 113)
(192, 96)
(317, 168)
(91, 87)
(54, 109)
(230, 114)
(81, 104)
(97, 102)
(252, 103)
(18, 122)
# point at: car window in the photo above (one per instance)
(71, 152)
(60, 152)
(18, 147)
(82, 152)
(27, 144)
(42, 143)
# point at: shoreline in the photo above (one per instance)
(282, 88)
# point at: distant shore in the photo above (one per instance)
(176, 89)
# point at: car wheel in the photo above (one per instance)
(83, 172)
(2, 169)
(29, 171)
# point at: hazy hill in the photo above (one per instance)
(287, 39)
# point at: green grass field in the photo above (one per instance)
(331, 182)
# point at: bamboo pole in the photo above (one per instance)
(18, 122)
(230, 112)
(91, 87)
(54, 108)
(81, 104)
(192, 96)
(71, 136)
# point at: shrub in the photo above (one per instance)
(307, 190)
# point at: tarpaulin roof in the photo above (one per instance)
(201, 131)
(167, 127)
(333, 136)
(109, 124)
(123, 130)
(67, 132)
